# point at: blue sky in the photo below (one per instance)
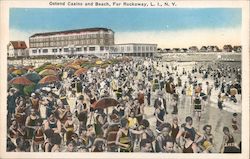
(168, 27)
(127, 19)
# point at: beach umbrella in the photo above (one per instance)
(80, 71)
(11, 69)
(20, 81)
(28, 67)
(47, 72)
(99, 62)
(52, 67)
(48, 79)
(105, 103)
(79, 61)
(18, 72)
(74, 66)
(33, 76)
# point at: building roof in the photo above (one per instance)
(71, 31)
(136, 44)
(18, 44)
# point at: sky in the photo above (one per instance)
(167, 27)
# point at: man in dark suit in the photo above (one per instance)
(160, 102)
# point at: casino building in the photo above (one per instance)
(72, 42)
(87, 41)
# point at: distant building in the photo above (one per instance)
(213, 49)
(203, 49)
(237, 49)
(17, 49)
(193, 49)
(227, 48)
(167, 50)
(176, 50)
(133, 49)
(72, 42)
(184, 50)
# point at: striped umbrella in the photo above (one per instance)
(80, 71)
(48, 79)
(21, 81)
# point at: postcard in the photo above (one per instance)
(124, 79)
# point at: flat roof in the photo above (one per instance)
(71, 31)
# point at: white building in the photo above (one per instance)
(72, 42)
(17, 49)
(134, 49)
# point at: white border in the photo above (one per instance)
(4, 13)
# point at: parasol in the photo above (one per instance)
(21, 81)
(105, 103)
(74, 66)
(18, 72)
(32, 76)
(47, 72)
(48, 79)
(80, 71)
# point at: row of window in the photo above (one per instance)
(76, 42)
(72, 37)
(138, 48)
(79, 49)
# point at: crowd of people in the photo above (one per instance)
(46, 121)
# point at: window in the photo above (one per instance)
(39, 51)
(85, 48)
(147, 49)
(45, 50)
(151, 48)
(66, 49)
(135, 48)
(91, 48)
(101, 48)
(122, 49)
(128, 48)
(78, 49)
(34, 51)
(143, 48)
(139, 48)
(54, 50)
(60, 50)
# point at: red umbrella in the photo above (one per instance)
(105, 103)
(80, 71)
(48, 79)
(21, 81)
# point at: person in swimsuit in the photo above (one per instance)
(53, 123)
(38, 138)
(164, 134)
(123, 138)
(148, 133)
(34, 99)
(189, 146)
(206, 142)
(228, 144)
(197, 104)
(69, 127)
(168, 145)
(175, 128)
(31, 123)
(145, 146)
(159, 115)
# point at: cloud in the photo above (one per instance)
(184, 38)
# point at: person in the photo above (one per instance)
(228, 144)
(173, 104)
(187, 127)
(234, 122)
(220, 102)
(207, 142)
(53, 124)
(123, 138)
(20, 112)
(189, 146)
(82, 111)
(38, 138)
(34, 99)
(52, 142)
(99, 122)
(145, 146)
(31, 123)
(70, 146)
(148, 133)
(168, 145)
(159, 115)
(50, 103)
(197, 105)
(11, 102)
(164, 134)
(175, 128)
(98, 145)
(112, 130)
(69, 127)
